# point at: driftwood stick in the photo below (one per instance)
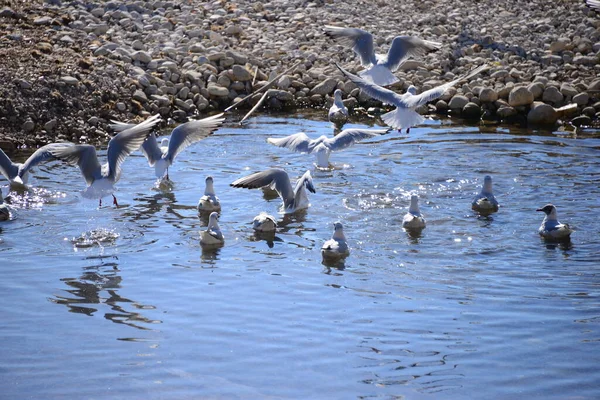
(264, 87)
(262, 99)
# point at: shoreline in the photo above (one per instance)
(66, 70)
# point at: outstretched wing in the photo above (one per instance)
(360, 41)
(298, 142)
(125, 143)
(377, 92)
(413, 101)
(191, 132)
(151, 149)
(83, 155)
(348, 137)
(8, 168)
(277, 179)
(42, 154)
(404, 47)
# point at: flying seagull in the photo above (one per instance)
(18, 173)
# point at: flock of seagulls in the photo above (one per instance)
(100, 179)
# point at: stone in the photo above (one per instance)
(141, 56)
(28, 126)
(471, 110)
(241, 74)
(568, 90)
(69, 80)
(552, 95)
(506, 112)
(140, 96)
(594, 86)
(537, 89)
(325, 87)
(441, 106)
(582, 120)
(520, 96)
(487, 95)
(42, 21)
(542, 114)
(458, 102)
(581, 99)
(217, 91)
(120, 106)
(50, 125)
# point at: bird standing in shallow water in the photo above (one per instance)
(413, 218)
(336, 248)
(209, 202)
(485, 203)
(212, 236)
(550, 228)
(338, 113)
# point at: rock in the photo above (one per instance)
(441, 106)
(140, 96)
(520, 96)
(585, 60)
(325, 87)
(582, 120)
(217, 91)
(42, 21)
(141, 56)
(568, 90)
(581, 99)
(69, 80)
(542, 114)
(487, 95)
(28, 126)
(120, 106)
(241, 74)
(594, 86)
(537, 89)
(552, 95)
(458, 102)
(559, 45)
(589, 111)
(500, 74)
(471, 110)
(506, 112)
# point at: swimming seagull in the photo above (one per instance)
(4, 211)
(18, 173)
(323, 146)
(485, 203)
(293, 198)
(212, 235)
(413, 218)
(336, 247)
(405, 116)
(264, 222)
(209, 202)
(101, 179)
(550, 227)
(338, 113)
(161, 157)
(380, 67)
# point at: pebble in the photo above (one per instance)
(458, 102)
(542, 114)
(520, 96)
(552, 95)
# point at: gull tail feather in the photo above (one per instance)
(379, 75)
(402, 118)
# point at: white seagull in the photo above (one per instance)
(322, 146)
(413, 218)
(594, 4)
(264, 222)
(552, 229)
(380, 67)
(336, 247)
(212, 235)
(338, 113)
(209, 202)
(405, 116)
(100, 179)
(4, 210)
(162, 156)
(18, 173)
(485, 203)
(293, 198)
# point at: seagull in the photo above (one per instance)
(264, 222)
(209, 202)
(293, 198)
(413, 218)
(212, 235)
(162, 156)
(593, 4)
(17, 173)
(550, 227)
(485, 203)
(101, 179)
(323, 146)
(405, 116)
(380, 67)
(336, 247)
(338, 113)
(4, 210)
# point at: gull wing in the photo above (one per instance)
(8, 168)
(125, 143)
(151, 149)
(277, 179)
(298, 142)
(83, 155)
(190, 133)
(413, 101)
(360, 41)
(42, 154)
(348, 137)
(119, 126)
(404, 47)
(377, 92)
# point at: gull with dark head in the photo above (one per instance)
(338, 113)
(210, 201)
(294, 198)
(404, 115)
(212, 236)
(162, 156)
(322, 146)
(17, 173)
(101, 179)
(336, 248)
(485, 203)
(379, 67)
(550, 228)
(413, 218)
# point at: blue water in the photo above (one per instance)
(123, 303)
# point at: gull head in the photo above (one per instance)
(164, 142)
(338, 231)
(548, 209)
(414, 204)
(412, 90)
(310, 186)
(487, 184)
(337, 94)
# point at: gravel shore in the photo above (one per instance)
(67, 68)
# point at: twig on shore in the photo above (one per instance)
(262, 99)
